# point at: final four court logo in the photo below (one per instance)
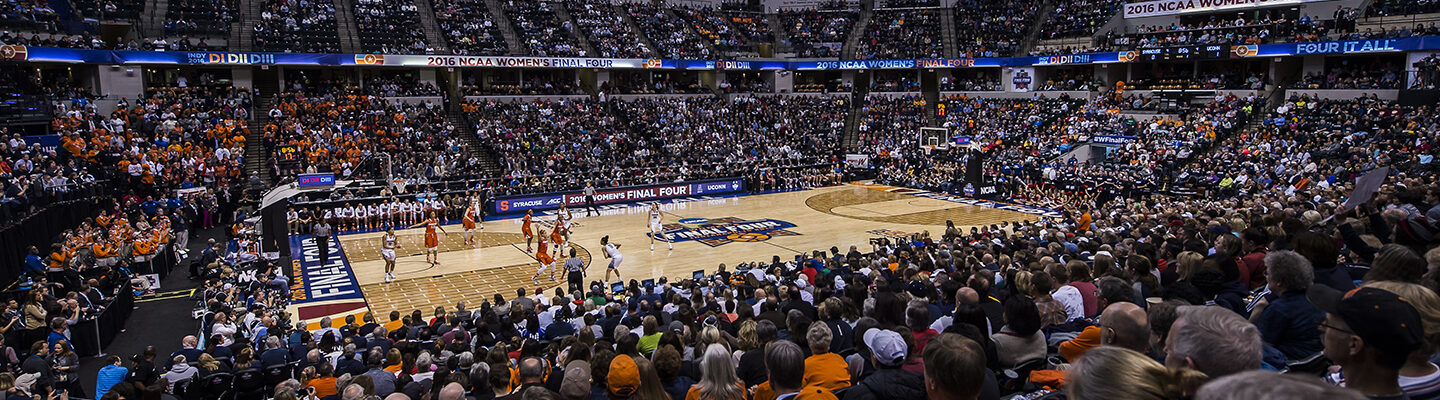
(717, 231)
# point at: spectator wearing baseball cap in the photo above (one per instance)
(1369, 333)
(576, 385)
(887, 354)
(624, 379)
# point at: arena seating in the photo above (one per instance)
(389, 27)
(344, 133)
(1071, 19)
(470, 27)
(608, 33)
(992, 28)
(752, 131)
(818, 32)
(902, 34)
(297, 26)
(200, 18)
(712, 26)
(1383, 8)
(29, 15)
(540, 30)
(668, 33)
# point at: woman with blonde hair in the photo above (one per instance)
(1419, 377)
(748, 339)
(718, 380)
(1110, 372)
(1189, 263)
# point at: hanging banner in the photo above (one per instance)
(1170, 7)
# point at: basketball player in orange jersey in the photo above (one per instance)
(432, 240)
(469, 223)
(525, 229)
(546, 262)
(557, 235)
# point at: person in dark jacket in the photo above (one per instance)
(890, 381)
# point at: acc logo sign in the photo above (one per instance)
(717, 231)
(14, 52)
(1246, 50)
(370, 59)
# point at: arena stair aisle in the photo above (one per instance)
(562, 12)
(947, 34)
(472, 141)
(242, 35)
(512, 40)
(625, 15)
(1033, 34)
(782, 38)
(867, 11)
(152, 21)
(433, 35)
(345, 26)
(851, 141)
(255, 154)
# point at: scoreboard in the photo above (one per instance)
(1200, 52)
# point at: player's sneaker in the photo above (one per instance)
(534, 281)
(652, 247)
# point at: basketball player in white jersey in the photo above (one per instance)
(612, 252)
(387, 251)
(656, 228)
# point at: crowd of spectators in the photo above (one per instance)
(1156, 298)
(908, 33)
(306, 26)
(470, 27)
(1354, 74)
(670, 34)
(365, 137)
(890, 123)
(82, 41)
(540, 30)
(713, 26)
(1206, 81)
(389, 27)
(818, 32)
(549, 145)
(753, 25)
(1385, 8)
(1322, 144)
(1073, 19)
(208, 18)
(606, 28)
(953, 84)
(992, 28)
(531, 86)
(29, 15)
(399, 85)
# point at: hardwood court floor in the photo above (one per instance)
(839, 216)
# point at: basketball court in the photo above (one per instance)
(708, 232)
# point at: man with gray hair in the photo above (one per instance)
(352, 392)
(273, 354)
(1287, 320)
(785, 366)
(1212, 340)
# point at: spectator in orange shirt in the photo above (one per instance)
(824, 369)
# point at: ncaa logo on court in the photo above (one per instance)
(717, 231)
